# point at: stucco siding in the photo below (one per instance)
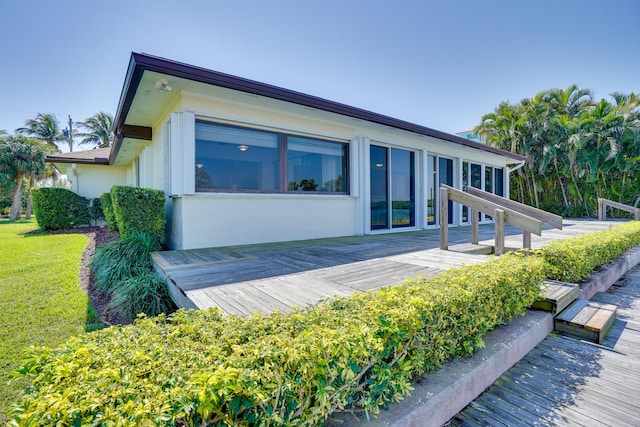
(91, 181)
(213, 220)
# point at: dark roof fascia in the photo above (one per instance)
(96, 161)
(141, 62)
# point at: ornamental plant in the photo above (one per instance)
(59, 208)
(203, 368)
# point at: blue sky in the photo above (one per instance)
(442, 64)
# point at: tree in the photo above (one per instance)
(579, 149)
(19, 160)
(46, 128)
(99, 130)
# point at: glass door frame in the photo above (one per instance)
(388, 168)
(432, 188)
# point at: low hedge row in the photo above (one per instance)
(58, 208)
(361, 352)
(575, 258)
(200, 368)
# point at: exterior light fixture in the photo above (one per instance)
(379, 165)
(199, 165)
(243, 147)
(163, 85)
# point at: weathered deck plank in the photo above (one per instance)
(566, 381)
(317, 269)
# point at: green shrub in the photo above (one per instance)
(138, 210)
(144, 293)
(575, 258)
(107, 211)
(117, 261)
(203, 368)
(58, 208)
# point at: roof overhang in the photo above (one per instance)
(98, 156)
(145, 71)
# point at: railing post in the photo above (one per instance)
(474, 226)
(498, 216)
(601, 210)
(526, 239)
(444, 219)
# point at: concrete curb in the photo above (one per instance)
(442, 394)
(602, 280)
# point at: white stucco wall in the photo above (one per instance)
(211, 220)
(91, 181)
(197, 220)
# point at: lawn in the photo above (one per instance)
(41, 302)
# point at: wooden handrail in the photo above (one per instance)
(548, 218)
(602, 208)
(502, 215)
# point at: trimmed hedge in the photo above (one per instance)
(59, 208)
(200, 367)
(361, 352)
(138, 210)
(107, 210)
(575, 258)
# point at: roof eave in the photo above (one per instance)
(142, 62)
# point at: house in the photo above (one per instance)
(244, 162)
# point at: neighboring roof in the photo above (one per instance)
(99, 156)
(140, 63)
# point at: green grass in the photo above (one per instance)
(41, 302)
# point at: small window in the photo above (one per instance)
(314, 165)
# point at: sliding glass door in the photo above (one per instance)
(392, 173)
(439, 171)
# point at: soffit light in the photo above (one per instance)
(243, 147)
(163, 85)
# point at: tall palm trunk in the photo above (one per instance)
(16, 205)
(28, 210)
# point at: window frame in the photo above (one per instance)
(282, 147)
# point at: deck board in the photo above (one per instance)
(306, 272)
(567, 381)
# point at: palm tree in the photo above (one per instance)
(46, 128)
(19, 160)
(99, 130)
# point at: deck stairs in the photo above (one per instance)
(585, 319)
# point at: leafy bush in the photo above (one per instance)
(58, 208)
(203, 368)
(115, 262)
(574, 259)
(107, 210)
(138, 210)
(144, 293)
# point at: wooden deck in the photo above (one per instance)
(280, 276)
(571, 382)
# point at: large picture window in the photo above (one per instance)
(314, 165)
(230, 158)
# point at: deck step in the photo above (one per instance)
(556, 296)
(586, 319)
(470, 248)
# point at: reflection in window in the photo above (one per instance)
(315, 165)
(229, 158)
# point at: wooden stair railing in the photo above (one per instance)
(602, 208)
(500, 212)
(552, 220)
